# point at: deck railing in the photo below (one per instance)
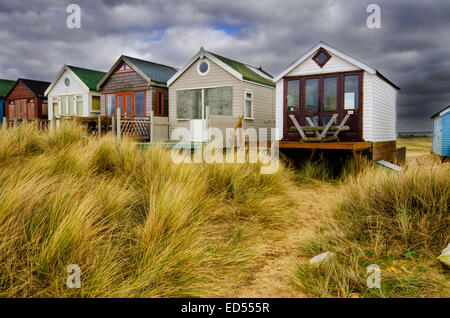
(41, 124)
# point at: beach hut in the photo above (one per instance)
(441, 132)
(5, 87)
(327, 99)
(73, 93)
(215, 91)
(26, 100)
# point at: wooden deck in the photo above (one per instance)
(355, 147)
(335, 145)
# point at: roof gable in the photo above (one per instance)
(150, 71)
(38, 88)
(89, 77)
(238, 69)
(334, 52)
(441, 112)
(5, 87)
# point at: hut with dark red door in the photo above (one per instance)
(26, 100)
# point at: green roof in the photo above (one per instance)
(5, 87)
(246, 71)
(89, 77)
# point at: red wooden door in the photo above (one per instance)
(31, 110)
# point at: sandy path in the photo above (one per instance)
(273, 278)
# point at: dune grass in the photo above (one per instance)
(137, 224)
(419, 144)
(399, 222)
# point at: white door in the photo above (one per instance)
(198, 128)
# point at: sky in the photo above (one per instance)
(411, 48)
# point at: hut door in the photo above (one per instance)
(312, 103)
(292, 107)
(23, 109)
(30, 109)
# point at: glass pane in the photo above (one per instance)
(248, 109)
(128, 104)
(315, 120)
(71, 105)
(120, 103)
(96, 103)
(312, 94)
(110, 104)
(326, 119)
(219, 100)
(351, 97)
(139, 103)
(322, 58)
(330, 93)
(189, 104)
(79, 106)
(64, 106)
(293, 95)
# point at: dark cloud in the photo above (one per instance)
(411, 48)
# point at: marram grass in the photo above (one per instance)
(137, 224)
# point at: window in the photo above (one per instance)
(219, 100)
(124, 68)
(203, 67)
(312, 94)
(248, 105)
(351, 93)
(159, 103)
(322, 57)
(293, 96)
(31, 100)
(139, 104)
(71, 100)
(64, 106)
(110, 104)
(330, 93)
(189, 104)
(11, 102)
(79, 103)
(95, 103)
(67, 82)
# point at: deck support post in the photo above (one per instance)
(4, 123)
(313, 152)
(99, 126)
(113, 126)
(150, 129)
(118, 123)
(356, 158)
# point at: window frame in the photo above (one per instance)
(91, 103)
(159, 93)
(125, 70)
(202, 89)
(132, 105)
(320, 51)
(199, 63)
(249, 91)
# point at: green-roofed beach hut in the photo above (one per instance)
(213, 91)
(5, 87)
(74, 93)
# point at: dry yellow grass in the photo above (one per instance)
(399, 221)
(137, 224)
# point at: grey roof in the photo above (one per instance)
(439, 112)
(156, 72)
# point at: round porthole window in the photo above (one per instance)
(203, 67)
(67, 82)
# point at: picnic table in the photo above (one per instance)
(329, 132)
